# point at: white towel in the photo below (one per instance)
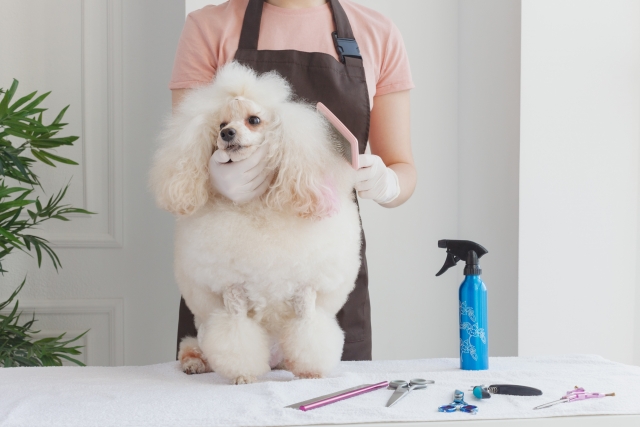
(161, 395)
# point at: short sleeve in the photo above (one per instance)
(194, 62)
(395, 72)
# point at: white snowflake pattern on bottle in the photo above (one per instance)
(472, 329)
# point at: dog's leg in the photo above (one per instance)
(235, 345)
(312, 341)
(191, 358)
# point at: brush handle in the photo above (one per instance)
(344, 396)
(514, 390)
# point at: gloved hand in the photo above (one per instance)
(376, 181)
(240, 181)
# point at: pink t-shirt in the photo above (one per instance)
(210, 39)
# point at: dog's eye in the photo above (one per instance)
(222, 125)
(254, 120)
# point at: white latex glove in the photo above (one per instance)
(376, 181)
(240, 181)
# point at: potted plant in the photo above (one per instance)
(24, 140)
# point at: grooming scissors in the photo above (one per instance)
(578, 393)
(402, 388)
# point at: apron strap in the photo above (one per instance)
(251, 26)
(343, 36)
(343, 27)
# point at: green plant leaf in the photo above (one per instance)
(6, 99)
(57, 158)
(38, 155)
(60, 115)
(36, 245)
(71, 359)
(21, 101)
(38, 143)
(5, 191)
(19, 134)
(31, 106)
(9, 236)
(13, 295)
(14, 204)
(22, 130)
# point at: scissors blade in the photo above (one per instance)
(397, 395)
(555, 402)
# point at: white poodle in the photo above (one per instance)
(264, 279)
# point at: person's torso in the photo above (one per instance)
(306, 30)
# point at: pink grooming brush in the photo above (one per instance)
(348, 141)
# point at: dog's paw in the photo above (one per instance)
(192, 361)
(302, 374)
(244, 379)
(194, 365)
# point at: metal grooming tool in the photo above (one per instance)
(578, 393)
(402, 388)
(327, 399)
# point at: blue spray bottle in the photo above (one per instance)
(474, 338)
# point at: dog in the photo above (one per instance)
(264, 279)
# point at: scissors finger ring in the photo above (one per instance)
(418, 382)
(402, 388)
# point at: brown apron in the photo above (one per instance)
(342, 87)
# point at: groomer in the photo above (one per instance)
(350, 58)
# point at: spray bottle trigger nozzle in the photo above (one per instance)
(451, 261)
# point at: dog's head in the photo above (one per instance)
(243, 127)
(247, 109)
(236, 114)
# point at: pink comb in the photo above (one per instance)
(351, 140)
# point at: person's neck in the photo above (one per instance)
(296, 4)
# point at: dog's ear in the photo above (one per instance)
(304, 161)
(180, 172)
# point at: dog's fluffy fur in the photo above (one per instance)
(264, 279)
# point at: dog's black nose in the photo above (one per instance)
(227, 134)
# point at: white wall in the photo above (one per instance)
(111, 60)
(636, 339)
(488, 152)
(580, 115)
(191, 5)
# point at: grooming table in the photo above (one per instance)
(161, 395)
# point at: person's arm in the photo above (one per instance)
(390, 139)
